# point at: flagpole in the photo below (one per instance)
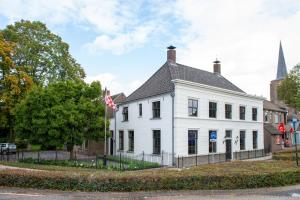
(105, 125)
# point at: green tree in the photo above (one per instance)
(44, 55)
(290, 87)
(63, 113)
(14, 84)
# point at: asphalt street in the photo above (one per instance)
(290, 192)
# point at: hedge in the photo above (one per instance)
(152, 181)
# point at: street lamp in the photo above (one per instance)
(294, 122)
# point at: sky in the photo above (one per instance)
(122, 43)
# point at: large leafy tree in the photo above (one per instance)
(289, 88)
(14, 84)
(63, 113)
(44, 55)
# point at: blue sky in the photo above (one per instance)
(122, 43)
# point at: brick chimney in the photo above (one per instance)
(171, 54)
(217, 67)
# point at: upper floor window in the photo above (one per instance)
(193, 107)
(242, 112)
(125, 113)
(140, 109)
(242, 140)
(156, 109)
(228, 111)
(212, 109)
(254, 114)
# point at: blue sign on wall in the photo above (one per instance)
(213, 136)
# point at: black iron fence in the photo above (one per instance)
(188, 161)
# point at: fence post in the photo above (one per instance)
(255, 153)
(18, 154)
(162, 158)
(196, 160)
(96, 161)
(22, 155)
(7, 155)
(1, 154)
(178, 161)
(120, 161)
(55, 155)
(248, 154)
(208, 158)
(182, 161)
(38, 156)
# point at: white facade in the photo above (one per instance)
(144, 125)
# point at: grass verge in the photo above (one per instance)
(233, 175)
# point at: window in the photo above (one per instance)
(242, 140)
(131, 141)
(212, 109)
(276, 118)
(121, 140)
(156, 141)
(266, 117)
(228, 134)
(254, 114)
(254, 139)
(228, 111)
(242, 112)
(193, 107)
(125, 114)
(156, 109)
(140, 109)
(212, 141)
(192, 141)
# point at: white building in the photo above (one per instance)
(184, 111)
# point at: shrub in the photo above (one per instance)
(150, 181)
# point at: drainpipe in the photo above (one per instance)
(173, 152)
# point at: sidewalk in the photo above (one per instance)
(269, 157)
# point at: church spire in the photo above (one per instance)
(281, 67)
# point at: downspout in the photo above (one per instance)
(173, 152)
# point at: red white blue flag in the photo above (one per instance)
(109, 102)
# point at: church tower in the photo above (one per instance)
(281, 74)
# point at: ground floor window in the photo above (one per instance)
(130, 140)
(254, 139)
(156, 141)
(212, 141)
(242, 140)
(121, 140)
(192, 141)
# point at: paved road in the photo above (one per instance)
(290, 192)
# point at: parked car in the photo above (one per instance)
(6, 148)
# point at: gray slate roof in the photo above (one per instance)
(271, 129)
(268, 105)
(161, 81)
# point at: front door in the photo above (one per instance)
(228, 149)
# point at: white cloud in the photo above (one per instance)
(114, 84)
(244, 35)
(121, 43)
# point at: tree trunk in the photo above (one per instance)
(70, 148)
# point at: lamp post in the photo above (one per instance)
(294, 122)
